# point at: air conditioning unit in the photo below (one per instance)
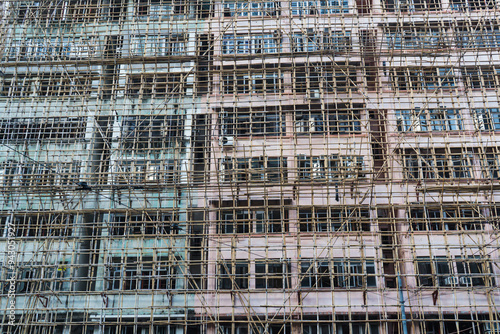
(315, 94)
(226, 141)
(317, 170)
(464, 280)
(451, 280)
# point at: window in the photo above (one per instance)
(437, 164)
(28, 279)
(474, 271)
(160, 9)
(337, 40)
(255, 221)
(320, 219)
(251, 44)
(458, 324)
(235, 221)
(429, 120)
(411, 5)
(81, 10)
(317, 7)
(333, 167)
(142, 133)
(356, 326)
(340, 326)
(464, 5)
(42, 129)
(254, 8)
(55, 84)
(315, 274)
(252, 122)
(313, 40)
(52, 48)
(343, 119)
(260, 169)
(139, 329)
(147, 172)
(55, 278)
(44, 225)
(3, 231)
(443, 271)
(447, 218)
(480, 77)
(319, 328)
(475, 34)
(325, 78)
(142, 274)
(352, 273)
(306, 42)
(490, 163)
(62, 84)
(34, 277)
(416, 37)
(40, 175)
(233, 276)
(268, 80)
(159, 85)
(149, 224)
(20, 86)
(422, 78)
(253, 327)
(272, 274)
(8, 171)
(59, 11)
(27, 11)
(486, 119)
(159, 45)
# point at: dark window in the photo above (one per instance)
(411, 5)
(464, 5)
(253, 81)
(233, 277)
(417, 37)
(319, 219)
(439, 164)
(152, 132)
(261, 169)
(446, 272)
(252, 123)
(474, 34)
(486, 119)
(272, 274)
(480, 77)
(46, 225)
(42, 129)
(149, 224)
(315, 274)
(422, 78)
(334, 167)
(235, 221)
(446, 218)
(158, 85)
(142, 274)
(354, 274)
(244, 221)
(254, 8)
(429, 120)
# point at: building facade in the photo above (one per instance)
(234, 167)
